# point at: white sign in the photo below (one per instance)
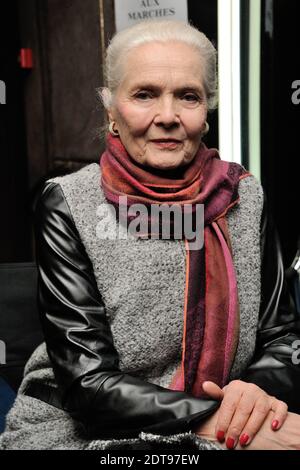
(128, 12)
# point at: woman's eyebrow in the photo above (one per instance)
(156, 87)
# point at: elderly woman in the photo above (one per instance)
(152, 340)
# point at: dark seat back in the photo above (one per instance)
(20, 328)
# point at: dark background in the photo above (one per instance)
(15, 230)
(280, 129)
(49, 124)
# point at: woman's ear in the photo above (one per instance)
(105, 96)
(110, 115)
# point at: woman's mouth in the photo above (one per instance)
(169, 144)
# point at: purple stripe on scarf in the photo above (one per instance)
(195, 321)
(232, 284)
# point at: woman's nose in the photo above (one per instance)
(167, 113)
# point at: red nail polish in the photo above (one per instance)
(229, 443)
(244, 439)
(220, 436)
(275, 424)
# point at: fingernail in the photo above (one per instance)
(220, 436)
(244, 439)
(229, 443)
(275, 424)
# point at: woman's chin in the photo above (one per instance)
(169, 162)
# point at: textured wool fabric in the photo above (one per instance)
(137, 276)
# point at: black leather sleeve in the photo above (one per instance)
(110, 403)
(276, 364)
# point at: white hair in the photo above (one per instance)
(158, 31)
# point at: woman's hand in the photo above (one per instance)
(243, 411)
(286, 438)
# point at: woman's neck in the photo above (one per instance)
(173, 173)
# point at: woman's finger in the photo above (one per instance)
(213, 390)
(239, 420)
(226, 412)
(280, 409)
(259, 413)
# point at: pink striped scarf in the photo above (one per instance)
(211, 308)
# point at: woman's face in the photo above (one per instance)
(160, 106)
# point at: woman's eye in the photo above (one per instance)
(143, 95)
(190, 97)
